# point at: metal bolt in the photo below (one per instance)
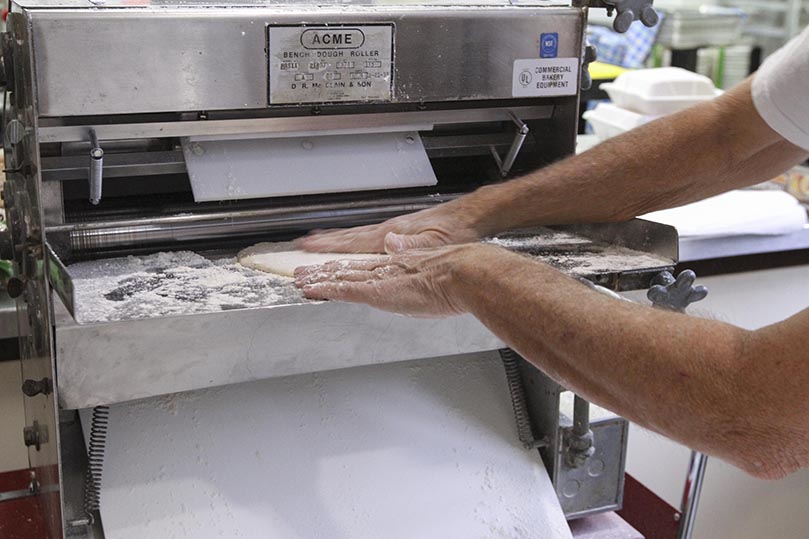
(410, 139)
(35, 435)
(15, 131)
(79, 522)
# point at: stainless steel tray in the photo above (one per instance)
(143, 352)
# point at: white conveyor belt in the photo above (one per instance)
(415, 449)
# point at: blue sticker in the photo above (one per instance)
(549, 45)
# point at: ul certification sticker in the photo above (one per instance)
(541, 77)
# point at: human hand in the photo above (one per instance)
(449, 223)
(417, 282)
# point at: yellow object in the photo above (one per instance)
(602, 71)
(796, 183)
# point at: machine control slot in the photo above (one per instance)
(327, 64)
(96, 175)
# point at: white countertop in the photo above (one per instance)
(695, 248)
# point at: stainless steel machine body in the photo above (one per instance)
(102, 98)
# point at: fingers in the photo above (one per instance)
(346, 280)
(347, 270)
(396, 243)
(336, 266)
(366, 239)
(349, 276)
(394, 283)
(414, 298)
(355, 292)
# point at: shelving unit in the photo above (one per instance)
(773, 22)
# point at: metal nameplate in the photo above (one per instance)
(326, 64)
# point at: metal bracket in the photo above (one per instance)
(96, 175)
(590, 54)
(7, 52)
(505, 163)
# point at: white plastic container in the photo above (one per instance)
(660, 91)
(609, 120)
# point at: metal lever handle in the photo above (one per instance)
(630, 11)
(507, 162)
(96, 175)
(675, 294)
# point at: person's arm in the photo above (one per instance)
(728, 392)
(702, 151)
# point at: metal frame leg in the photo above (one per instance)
(693, 489)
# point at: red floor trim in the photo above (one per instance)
(647, 512)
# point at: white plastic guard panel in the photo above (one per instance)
(322, 64)
(544, 77)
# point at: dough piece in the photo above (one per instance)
(264, 257)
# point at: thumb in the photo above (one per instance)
(396, 243)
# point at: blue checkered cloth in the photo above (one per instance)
(626, 50)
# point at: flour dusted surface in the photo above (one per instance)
(173, 283)
(417, 449)
(577, 255)
(183, 282)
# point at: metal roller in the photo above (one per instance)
(120, 234)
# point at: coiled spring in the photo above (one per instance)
(95, 460)
(518, 400)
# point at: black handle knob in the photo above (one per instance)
(15, 287)
(32, 388)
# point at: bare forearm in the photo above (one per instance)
(700, 152)
(736, 394)
(693, 380)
